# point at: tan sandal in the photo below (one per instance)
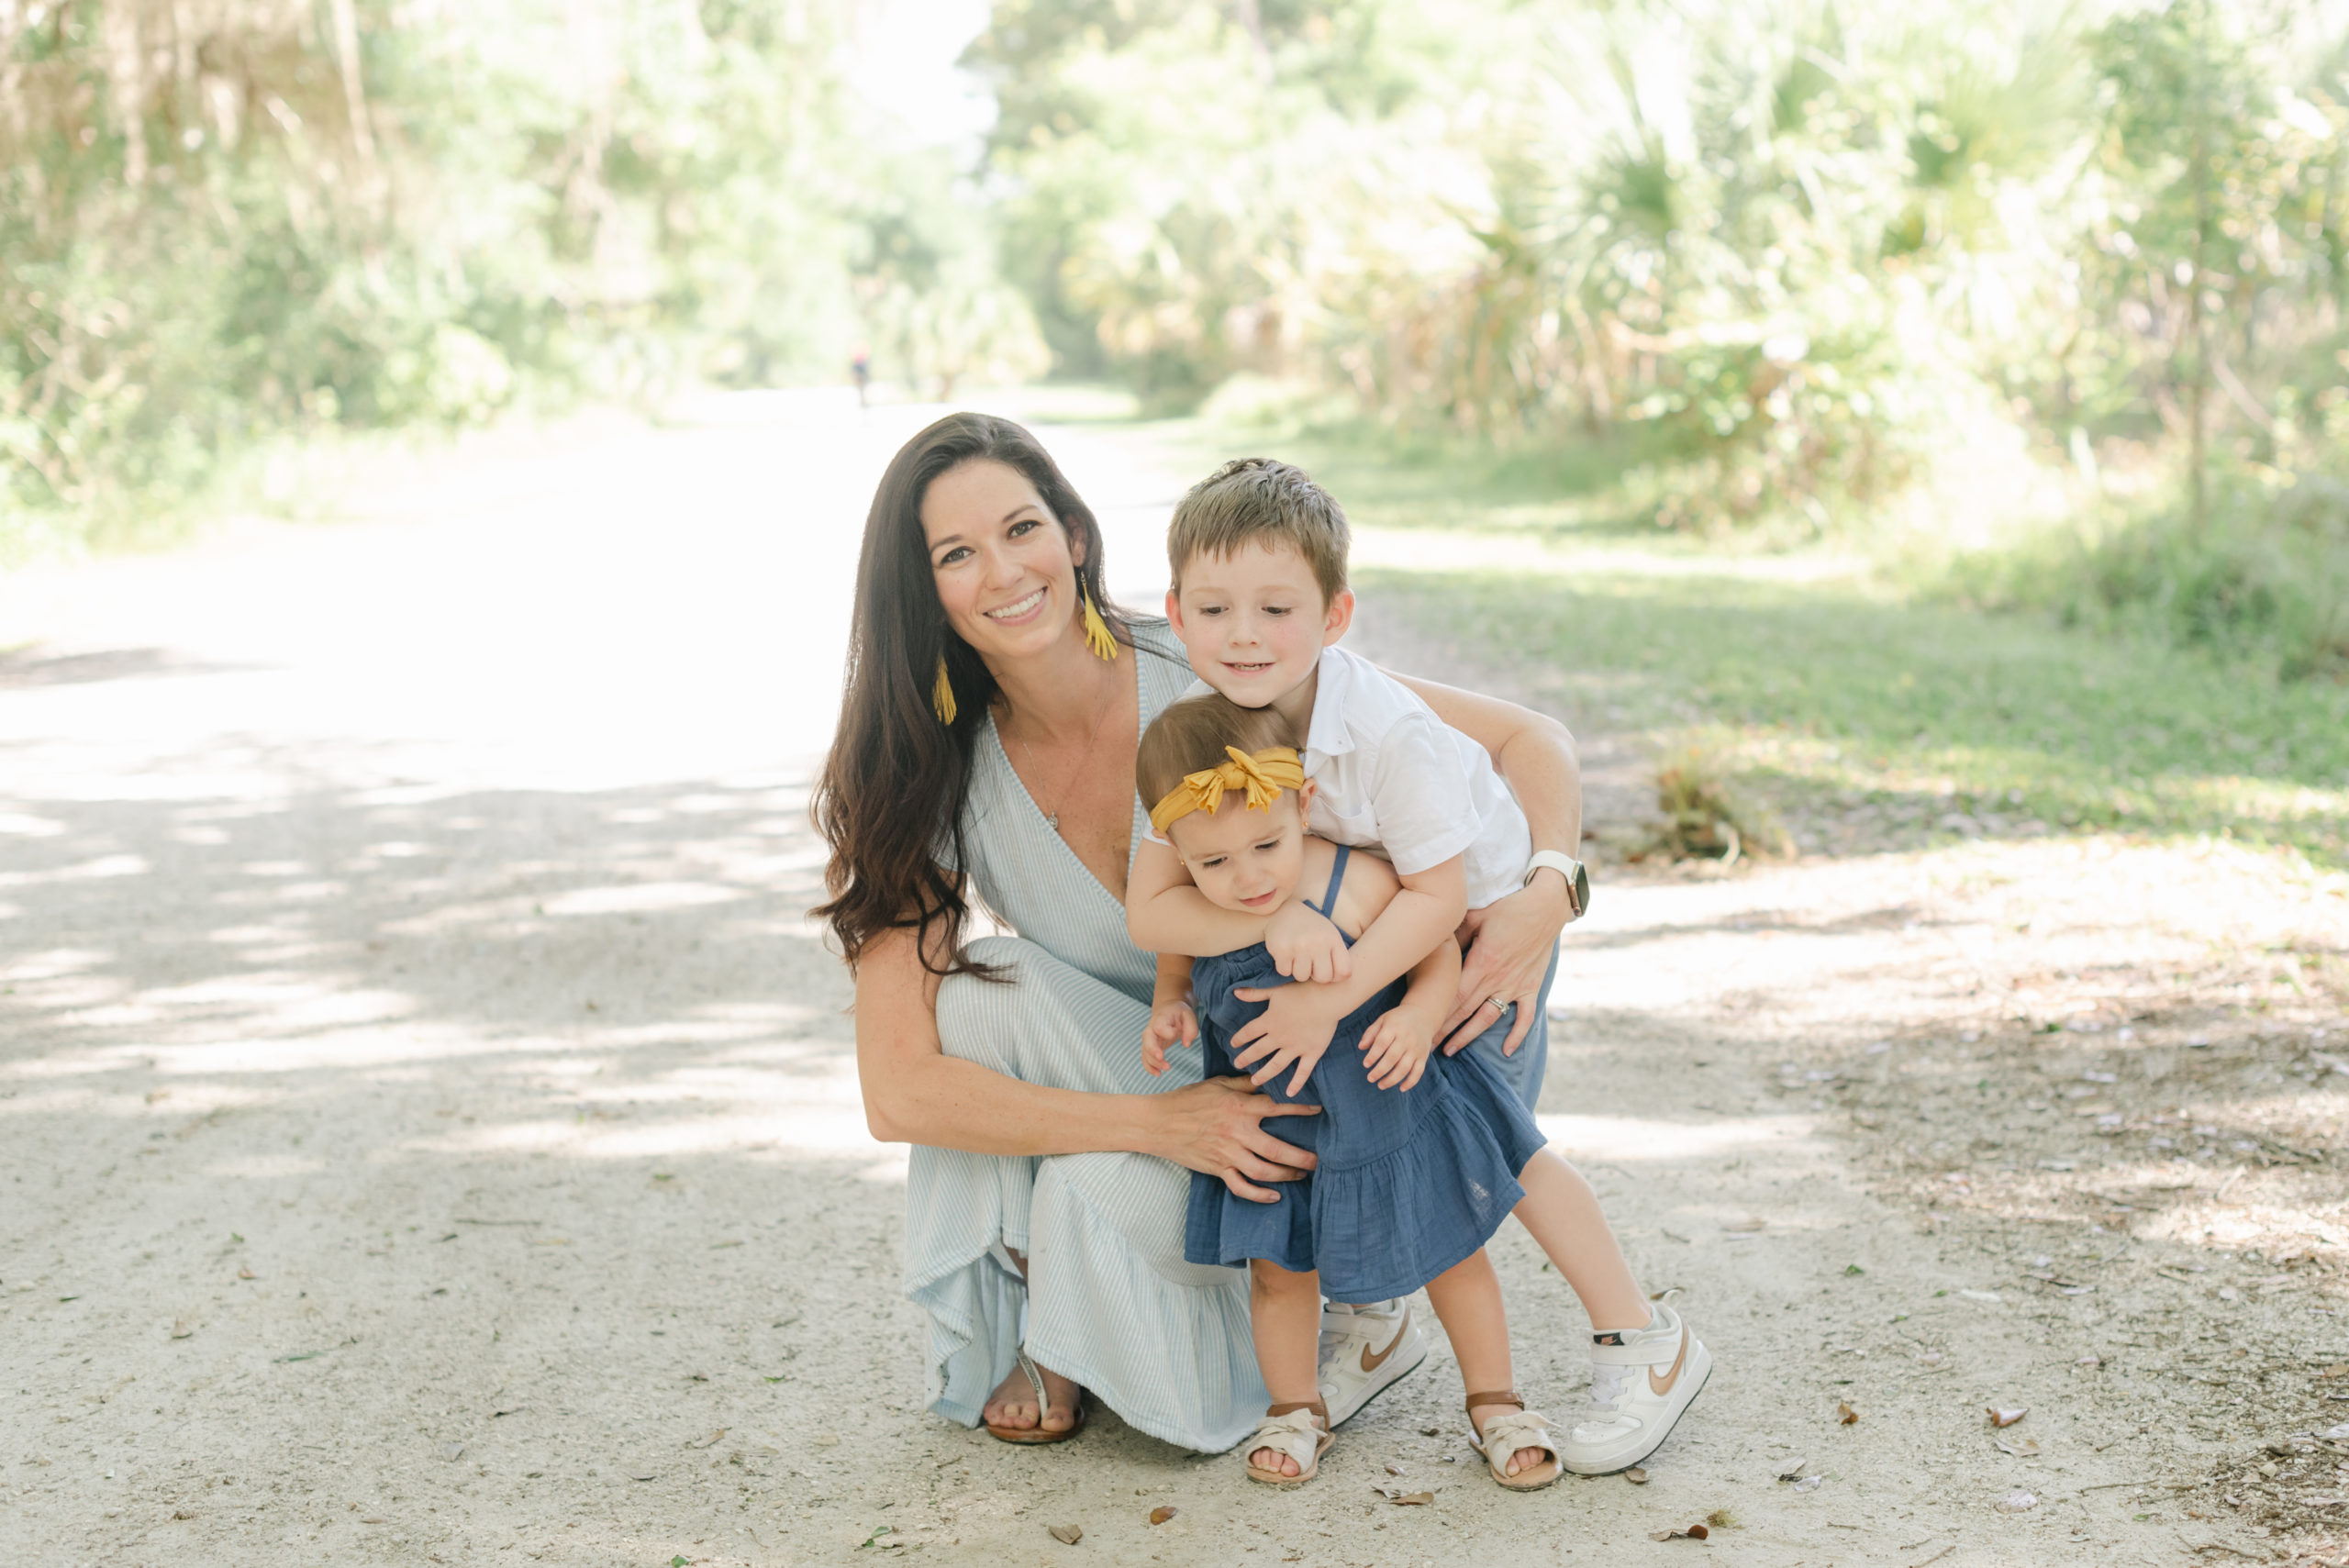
(1037, 1434)
(1300, 1431)
(1505, 1434)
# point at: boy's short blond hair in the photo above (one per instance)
(1257, 500)
(1190, 733)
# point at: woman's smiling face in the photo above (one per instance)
(1006, 576)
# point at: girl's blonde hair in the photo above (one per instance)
(1191, 733)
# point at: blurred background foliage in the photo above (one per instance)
(2045, 302)
(225, 219)
(1938, 268)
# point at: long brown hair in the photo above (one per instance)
(890, 800)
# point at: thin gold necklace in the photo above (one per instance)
(1052, 818)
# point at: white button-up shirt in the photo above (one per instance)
(1392, 777)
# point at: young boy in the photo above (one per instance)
(1258, 559)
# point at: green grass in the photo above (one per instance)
(1829, 698)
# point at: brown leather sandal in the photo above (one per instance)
(1037, 1434)
(1505, 1434)
(1299, 1430)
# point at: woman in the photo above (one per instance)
(993, 704)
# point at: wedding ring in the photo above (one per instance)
(1497, 1004)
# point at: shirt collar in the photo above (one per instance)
(1327, 736)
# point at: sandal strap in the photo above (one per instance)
(1295, 1431)
(1498, 1396)
(1504, 1435)
(1036, 1379)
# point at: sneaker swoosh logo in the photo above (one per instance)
(1662, 1386)
(1373, 1362)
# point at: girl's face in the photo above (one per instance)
(1005, 574)
(1244, 860)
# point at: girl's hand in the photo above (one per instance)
(1395, 1049)
(1295, 1026)
(1509, 945)
(1216, 1125)
(1171, 1024)
(1305, 945)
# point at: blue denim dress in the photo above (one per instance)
(1406, 1185)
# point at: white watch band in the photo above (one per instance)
(1564, 865)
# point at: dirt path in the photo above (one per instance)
(432, 1133)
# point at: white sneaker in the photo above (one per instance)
(1638, 1389)
(1363, 1351)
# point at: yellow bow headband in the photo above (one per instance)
(1264, 776)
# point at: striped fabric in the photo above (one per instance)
(1109, 1300)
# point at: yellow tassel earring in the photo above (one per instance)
(1097, 631)
(941, 694)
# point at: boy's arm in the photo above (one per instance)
(1395, 1047)
(1298, 1020)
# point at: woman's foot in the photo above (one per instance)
(1012, 1407)
(1522, 1461)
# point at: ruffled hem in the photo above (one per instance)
(1175, 1359)
(1387, 1226)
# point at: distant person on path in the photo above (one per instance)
(1408, 1189)
(984, 753)
(860, 367)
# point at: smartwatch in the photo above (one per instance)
(1577, 877)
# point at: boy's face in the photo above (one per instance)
(1244, 860)
(1253, 621)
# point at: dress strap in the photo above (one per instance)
(1337, 875)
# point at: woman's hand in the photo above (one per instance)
(1510, 944)
(1395, 1047)
(1306, 945)
(1171, 1024)
(1216, 1127)
(1295, 1026)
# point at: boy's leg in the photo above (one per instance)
(1645, 1366)
(1563, 1215)
(1284, 1312)
(1467, 1297)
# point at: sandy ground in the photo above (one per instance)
(429, 1127)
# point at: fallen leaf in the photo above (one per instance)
(1430, 1432)
(1793, 1471)
(1160, 1514)
(1068, 1535)
(639, 1475)
(2017, 1503)
(1810, 1482)
(1721, 1518)
(1636, 1476)
(1981, 1296)
(704, 1442)
(182, 1514)
(510, 1410)
(1844, 1414)
(452, 1451)
(828, 1439)
(180, 1330)
(1394, 1470)
(1694, 1533)
(246, 1274)
(2021, 1448)
(2006, 1417)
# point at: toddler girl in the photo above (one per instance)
(1420, 1157)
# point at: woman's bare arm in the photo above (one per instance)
(915, 1093)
